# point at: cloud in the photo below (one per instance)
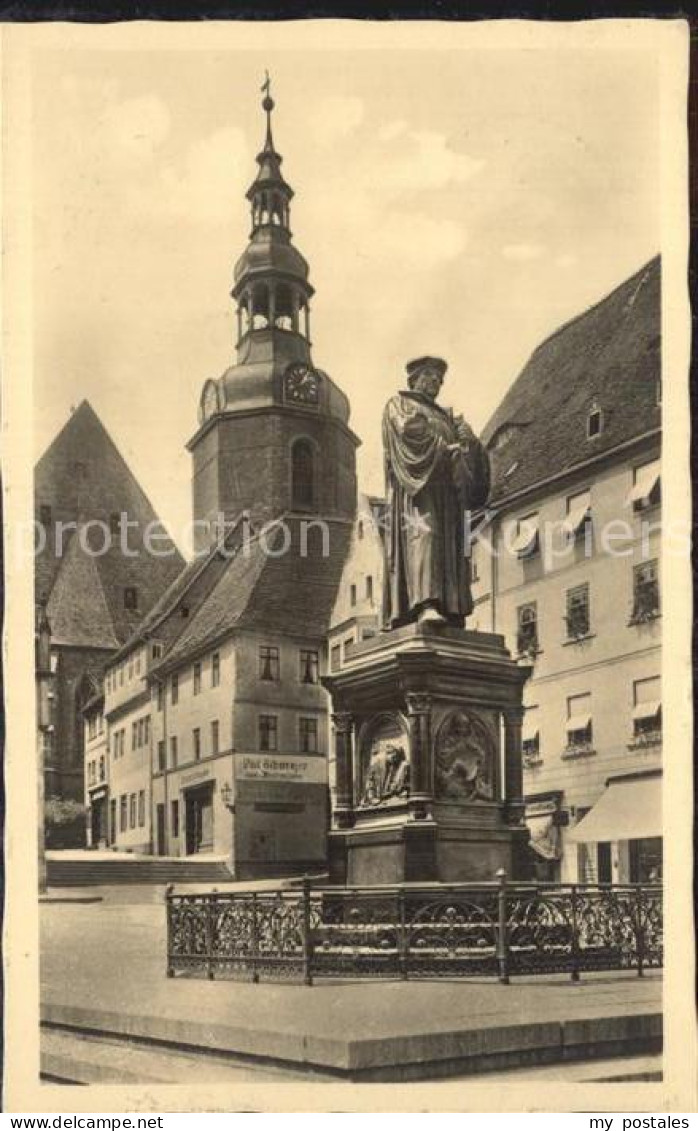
(137, 126)
(335, 117)
(423, 161)
(522, 251)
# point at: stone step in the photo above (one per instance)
(100, 872)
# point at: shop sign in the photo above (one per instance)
(270, 767)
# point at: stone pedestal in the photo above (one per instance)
(427, 732)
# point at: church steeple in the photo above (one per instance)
(271, 287)
(273, 433)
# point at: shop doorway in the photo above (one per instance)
(98, 815)
(160, 830)
(199, 819)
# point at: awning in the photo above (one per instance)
(628, 809)
(530, 730)
(579, 722)
(545, 836)
(527, 537)
(645, 484)
(647, 710)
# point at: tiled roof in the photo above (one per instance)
(82, 477)
(288, 593)
(610, 356)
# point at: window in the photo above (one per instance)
(131, 597)
(141, 808)
(174, 690)
(197, 678)
(360, 529)
(369, 589)
(102, 768)
(579, 728)
(132, 811)
(196, 740)
(173, 752)
(348, 645)
(352, 595)
(594, 422)
(268, 663)
(161, 696)
(162, 764)
(309, 665)
(645, 593)
(530, 738)
(646, 491)
(647, 711)
(527, 540)
(134, 735)
(307, 734)
(174, 820)
(146, 730)
(214, 737)
(123, 813)
(156, 651)
(268, 732)
(527, 630)
(45, 514)
(215, 669)
(336, 657)
(578, 520)
(578, 616)
(302, 475)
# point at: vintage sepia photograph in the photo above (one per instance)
(348, 552)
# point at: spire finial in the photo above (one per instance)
(268, 106)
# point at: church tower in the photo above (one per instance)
(273, 435)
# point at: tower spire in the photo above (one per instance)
(268, 106)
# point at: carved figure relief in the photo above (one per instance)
(464, 759)
(386, 768)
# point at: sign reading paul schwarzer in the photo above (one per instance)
(251, 767)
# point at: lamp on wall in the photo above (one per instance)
(227, 796)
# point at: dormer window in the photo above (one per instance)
(594, 422)
(131, 598)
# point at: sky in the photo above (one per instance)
(462, 202)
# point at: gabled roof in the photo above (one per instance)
(609, 357)
(264, 589)
(84, 479)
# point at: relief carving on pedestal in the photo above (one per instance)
(464, 759)
(385, 764)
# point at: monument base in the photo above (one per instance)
(428, 755)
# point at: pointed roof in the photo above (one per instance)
(269, 160)
(261, 588)
(609, 357)
(85, 482)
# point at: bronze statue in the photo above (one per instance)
(436, 471)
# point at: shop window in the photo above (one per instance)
(269, 663)
(578, 618)
(309, 665)
(646, 604)
(268, 732)
(308, 735)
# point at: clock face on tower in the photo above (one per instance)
(301, 384)
(210, 400)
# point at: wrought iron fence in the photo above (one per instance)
(415, 931)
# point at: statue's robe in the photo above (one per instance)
(429, 489)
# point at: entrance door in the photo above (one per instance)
(199, 819)
(160, 830)
(98, 812)
(112, 821)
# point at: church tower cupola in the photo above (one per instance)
(273, 430)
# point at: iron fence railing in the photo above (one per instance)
(497, 929)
